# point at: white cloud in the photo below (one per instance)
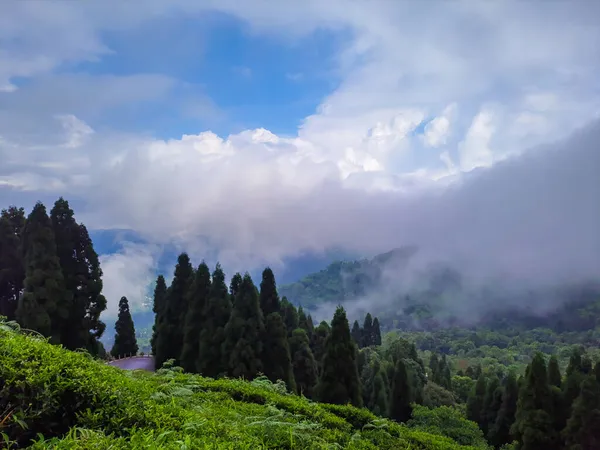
(437, 131)
(475, 150)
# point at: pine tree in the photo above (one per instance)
(572, 384)
(243, 332)
(475, 401)
(317, 343)
(367, 331)
(339, 382)
(170, 334)
(357, 334)
(44, 305)
(83, 279)
(158, 307)
(554, 377)
(500, 433)
(304, 323)
(491, 404)
(303, 363)
(376, 332)
(276, 358)
(212, 336)
(269, 299)
(235, 284)
(289, 315)
(12, 268)
(379, 394)
(125, 342)
(434, 367)
(400, 400)
(583, 427)
(195, 319)
(534, 424)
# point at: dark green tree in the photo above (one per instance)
(212, 362)
(276, 358)
(303, 363)
(269, 298)
(400, 408)
(12, 268)
(491, 404)
(376, 332)
(44, 305)
(195, 319)
(379, 394)
(125, 342)
(357, 334)
(158, 307)
(235, 284)
(583, 427)
(82, 277)
(243, 332)
(575, 375)
(304, 322)
(554, 377)
(339, 382)
(317, 343)
(289, 315)
(500, 432)
(475, 401)
(534, 424)
(367, 331)
(169, 341)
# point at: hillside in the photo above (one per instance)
(51, 398)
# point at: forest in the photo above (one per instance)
(228, 351)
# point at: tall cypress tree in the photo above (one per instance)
(491, 404)
(367, 331)
(212, 335)
(379, 394)
(500, 432)
(475, 401)
(158, 307)
(195, 318)
(583, 427)
(44, 305)
(125, 342)
(534, 424)
(317, 343)
(12, 268)
(83, 279)
(554, 377)
(289, 315)
(376, 332)
(243, 332)
(276, 358)
(234, 285)
(357, 334)
(269, 298)
(400, 401)
(169, 340)
(339, 382)
(303, 363)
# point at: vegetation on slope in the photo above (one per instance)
(52, 398)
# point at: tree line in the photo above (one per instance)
(50, 276)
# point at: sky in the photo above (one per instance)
(254, 132)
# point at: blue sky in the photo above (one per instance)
(263, 132)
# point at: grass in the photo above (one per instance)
(51, 398)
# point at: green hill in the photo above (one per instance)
(51, 398)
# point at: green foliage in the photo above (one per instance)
(125, 342)
(339, 382)
(303, 363)
(12, 269)
(289, 313)
(435, 395)
(158, 307)
(400, 408)
(269, 299)
(475, 411)
(583, 427)
(499, 433)
(64, 400)
(448, 421)
(195, 318)
(277, 361)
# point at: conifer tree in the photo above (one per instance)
(243, 332)
(12, 268)
(44, 305)
(400, 400)
(83, 279)
(303, 363)
(289, 315)
(500, 432)
(367, 331)
(317, 343)
(195, 318)
(339, 382)
(158, 307)
(534, 424)
(357, 334)
(170, 334)
(572, 384)
(212, 335)
(376, 332)
(379, 394)
(269, 299)
(491, 404)
(583, 427)
(234, 285)
(303, 321)
(125, 342)
(475, 401)
(554, 377)
(276, 358)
